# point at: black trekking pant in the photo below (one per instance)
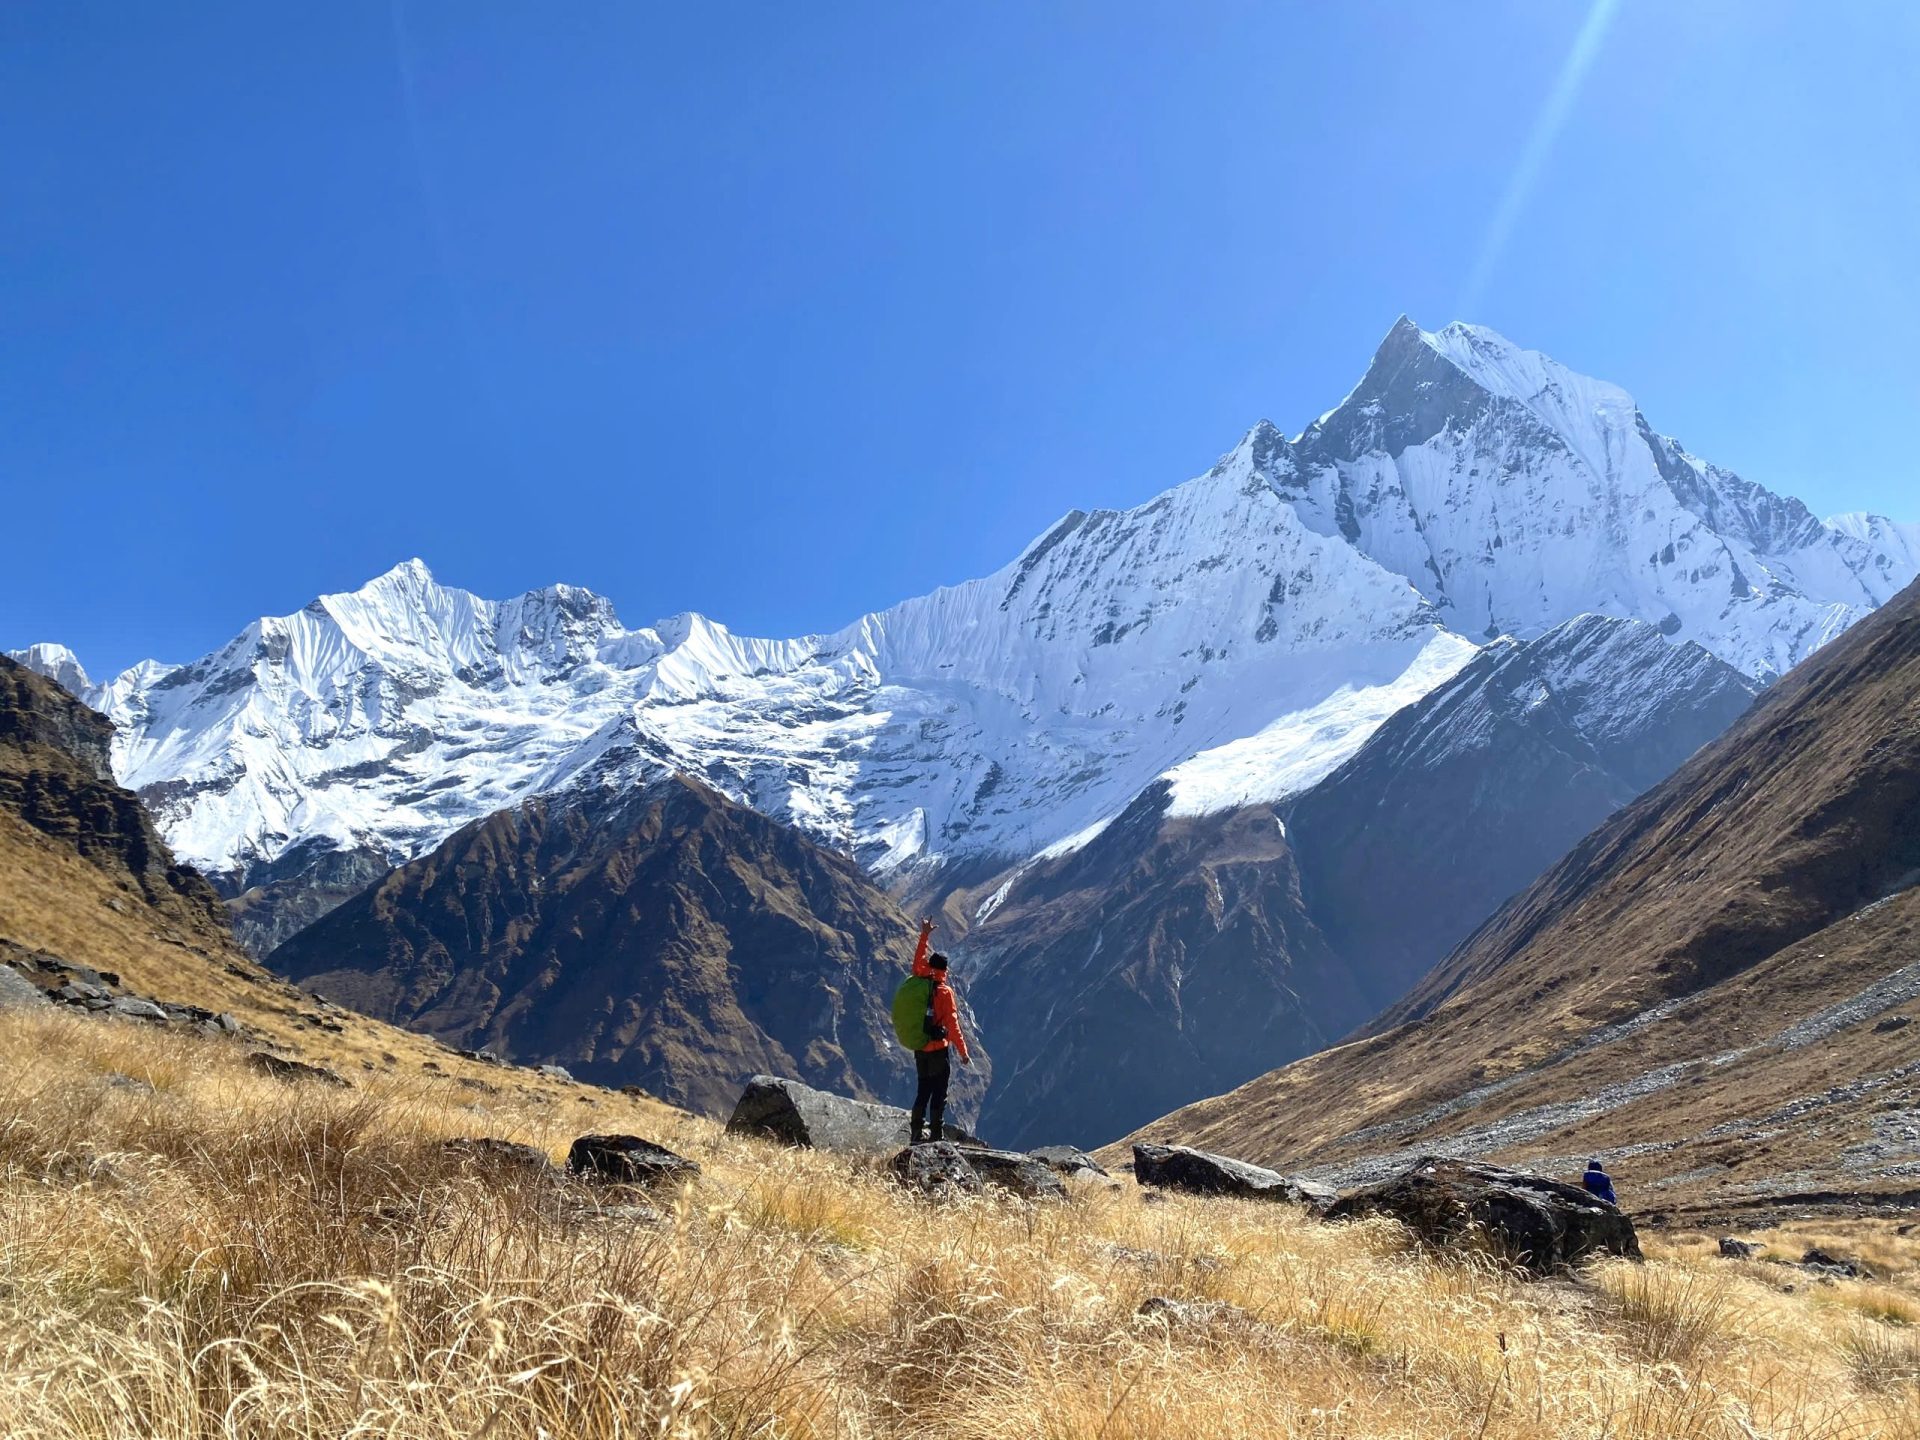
(935, 1069)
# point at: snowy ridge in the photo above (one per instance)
(1242, 634)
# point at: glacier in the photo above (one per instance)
(1239, 636)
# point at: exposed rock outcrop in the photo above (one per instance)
(17, 992)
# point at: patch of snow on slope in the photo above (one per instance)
(1303, 747)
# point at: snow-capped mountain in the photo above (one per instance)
(1242, 635)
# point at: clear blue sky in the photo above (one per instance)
(784, 312)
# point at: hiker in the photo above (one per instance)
(1598, 1183)
(933, 1061)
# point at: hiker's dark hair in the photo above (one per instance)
(937, 960)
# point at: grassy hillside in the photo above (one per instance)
(190, 1250)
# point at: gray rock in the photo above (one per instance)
(1067, 1160)
(80, 992)
(132, 1007)
(556, 1072)
(1733, 1249)
(1543, 1226)
(17, 992)
(1891, 1023)
(939, 1170)
(294, 1072)
(796, 1114)
(1176, 1167)
(627, 1160)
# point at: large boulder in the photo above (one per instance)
(796, 1114)
(944, 1169)
(1543, 1226)
(1176, 1167)
(627, 1160)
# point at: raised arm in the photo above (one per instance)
(923, 949)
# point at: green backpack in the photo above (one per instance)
(913, 1020)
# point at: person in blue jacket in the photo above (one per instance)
(1598, 1183)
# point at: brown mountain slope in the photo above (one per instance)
(86, 879)
(1717, 983)
(56, 779)
(666, 936)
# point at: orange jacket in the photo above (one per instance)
(945, 1010)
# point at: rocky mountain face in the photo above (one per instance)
(1715, 988)
(664, 936)
(1460, 800)
(1177, 954)
(55, 779)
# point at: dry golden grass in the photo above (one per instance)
(206, 1253)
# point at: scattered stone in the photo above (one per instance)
(1844, 1267)
(501, 1159)
(1067, 1160)
(295, 1071)
(1542, 1225)
(627, 1159)
(17, 992)
(465, 1082)
(79, 992)
(481, 1056)
(796, 1114)
(556, 1072)
(1176, 1167)
(1733, 1249)
(132, 1007)
(938, 1170)
(635, 1092)
(1891, 1023)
